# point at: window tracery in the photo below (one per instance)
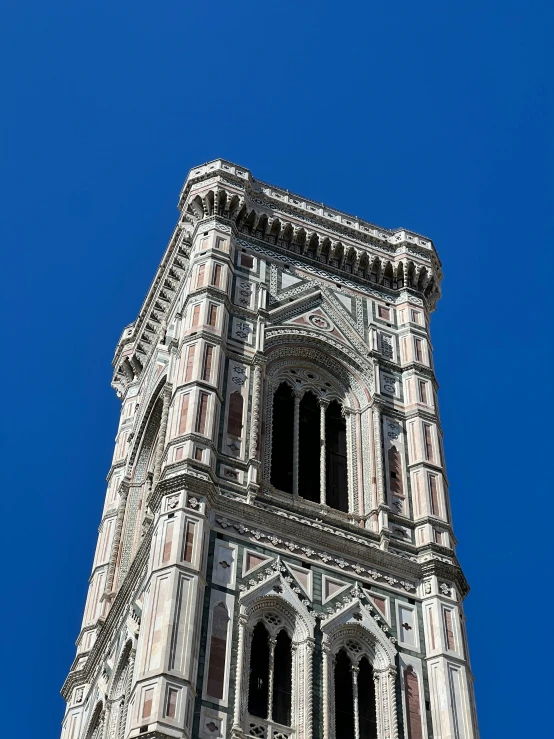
(359, 679)
(308, 442)
(274, 664)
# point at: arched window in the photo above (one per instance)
(282, 679)
(310, 448)
(366, 701)
(413, 710)
(344, 697)
(335, 458)
(259, 672)
(395, 471)
(298, 461)
(218, 649)
(270, 670)
(354, 699)
(283, 438)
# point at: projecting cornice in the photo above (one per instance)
(351, 248)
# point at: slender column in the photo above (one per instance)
(307, 689)
(355, 669)
(255, 419)
(322, 455)
(268, 444)
(378, 712)
(391, 686)
(237, 717)
(378, 455)
(270, 682)
(296, 444)
(161, 439)
(123, 493)
(385, 696)
(328, 693)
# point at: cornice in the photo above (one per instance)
(347, 239)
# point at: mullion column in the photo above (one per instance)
(239, 677)
(355, 670)
(328, 693)
(271, 678)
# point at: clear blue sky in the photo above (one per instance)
(435, 116)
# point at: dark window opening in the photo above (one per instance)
(336, 483)
(395, 471)
(310, 448)
(366, 701)
(259, 673)
(344, 698)
(282, 680)
(283, 438)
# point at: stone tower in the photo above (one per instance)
(276, 556)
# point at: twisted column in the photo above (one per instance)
(237, 713)
(322, 454)
(308, 693)
(355, 670)
(378, 455)
(272, 643)
(391, 686)
(327, 693)
(255, 419)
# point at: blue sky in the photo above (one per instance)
(434, 116)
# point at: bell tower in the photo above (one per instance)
(276, 558)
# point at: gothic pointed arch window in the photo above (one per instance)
(258, 683)
(270, 675)
(283, 440)
(309, 450)
(96, 724)
(344, 697)
(366, 701)
(119, 693)
(355, 708)
(282, 679)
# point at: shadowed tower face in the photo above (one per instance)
(275, 557)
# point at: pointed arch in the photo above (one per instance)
(388, 276)
(96, 722)
(196, 207)
(208, 202)
(287, 235)
(336, 460)
(233, 206)
(277, 630)
(282, 451)
(309, 485)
